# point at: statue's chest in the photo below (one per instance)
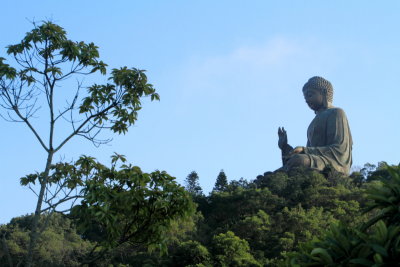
(316, 133)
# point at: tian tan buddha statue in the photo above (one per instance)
(329, 141)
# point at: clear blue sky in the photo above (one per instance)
(229, 73)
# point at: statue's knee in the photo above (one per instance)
(299, 160)
(296, 160)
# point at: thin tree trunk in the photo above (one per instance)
(34, 231)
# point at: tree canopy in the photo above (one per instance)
(221, 184)
(120, 205)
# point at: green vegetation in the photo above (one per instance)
(221, 184)
(192, 185)
(375, 242)
(59, 244)
(301, 218)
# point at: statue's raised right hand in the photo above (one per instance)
(283, 140)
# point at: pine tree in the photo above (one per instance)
(192, 184)
(221, 184)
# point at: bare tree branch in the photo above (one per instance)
(82, 125)
(31, 127)
(60, 202)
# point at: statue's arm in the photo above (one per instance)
(283, 144)
(285, 153)
(286, 150)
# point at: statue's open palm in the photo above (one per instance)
(283, 140)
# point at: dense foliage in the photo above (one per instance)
(375, 242)
(117, 205)
(301, 218)
(58, 245)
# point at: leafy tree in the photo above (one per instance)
(367, 169)
(226, 209)
(279, 210)
(119, 204)
(44, 60)
(385, 196)
(255, 229)
(374, 243)
(192, 184)
(59, 244)
(221, 184)
(301, 224)
(230, 250)
(379, 173)
(235, 184)
(370, 172)
(183, 229)
(191, 253)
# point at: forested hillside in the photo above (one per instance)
(301, 218)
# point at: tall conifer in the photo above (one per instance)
(221, 184)
(192, 184)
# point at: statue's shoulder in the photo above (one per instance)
(336, 111)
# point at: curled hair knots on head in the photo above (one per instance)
(321, 84)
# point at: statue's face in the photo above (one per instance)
(314, 99)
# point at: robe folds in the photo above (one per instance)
(329, 141)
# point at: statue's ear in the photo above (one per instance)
(325, 97)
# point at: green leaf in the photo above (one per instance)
(323, 253)
(379, 249)
(378, 258)
(361, 261)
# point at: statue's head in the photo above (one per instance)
(322, 90)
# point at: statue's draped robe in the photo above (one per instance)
(329, 141)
